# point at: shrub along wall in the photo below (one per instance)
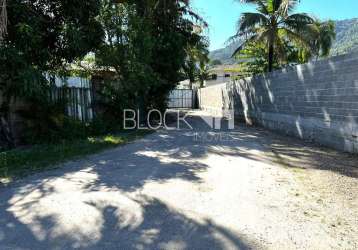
(317, 101)
(15, 121)
(79, 107)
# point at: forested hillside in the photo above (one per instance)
(224, 54)
(347, 37)
(346, 42)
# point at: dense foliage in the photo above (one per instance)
(195, 66)
(41, 37)
(274, 25)
(147, 45)
(276, 37)
(152, 45)
(346, 42)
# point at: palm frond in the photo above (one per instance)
(280, 49)
(233, 39)
(297, 21)
(276, 27)
(287, 6)
(248, 21)
(260, 35)
(269, 6)
(276, 4)
(328, 35)
(295, 37)
(261, 6)
(242, 46)
(190, 13)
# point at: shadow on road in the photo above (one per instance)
(97, 203)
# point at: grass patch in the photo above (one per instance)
(21, 162)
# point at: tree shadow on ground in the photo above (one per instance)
(34, 216)
(152, 224)
(169, 230)
(293, 153)
(262, 145)
(104, 208)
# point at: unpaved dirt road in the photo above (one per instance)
(240, 189)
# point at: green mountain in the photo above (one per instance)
(347, 37)
(346, 42)
(224, 54)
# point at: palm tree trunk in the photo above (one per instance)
(6, 138)
(3, 19)
(270, 58)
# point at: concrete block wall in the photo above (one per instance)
(217, 98)
(317, 101)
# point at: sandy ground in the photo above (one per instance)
(240, 189)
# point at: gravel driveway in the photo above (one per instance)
(240, 189)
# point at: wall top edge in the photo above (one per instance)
(302, 67)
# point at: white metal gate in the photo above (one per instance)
(181, 98)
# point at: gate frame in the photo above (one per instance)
(182, 98)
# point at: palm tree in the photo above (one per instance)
(325, 35)
(197, 59)
(320, 37)
(274, 25)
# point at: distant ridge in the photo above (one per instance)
(347, 37)
(224, 54)
(346, 42)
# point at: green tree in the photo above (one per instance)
(203, 73)
(43, 36)
(127, 49)
(273, 25)
(174, 27)
(148, 44)
(253, 59)
(197, 59)
(322, 36)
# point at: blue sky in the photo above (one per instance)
(222, 15)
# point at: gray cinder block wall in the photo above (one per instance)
(216, 98)
(317, 101)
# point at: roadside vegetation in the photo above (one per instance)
(26, 160)
(275, 36)
(141, 50)
(144, 48)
